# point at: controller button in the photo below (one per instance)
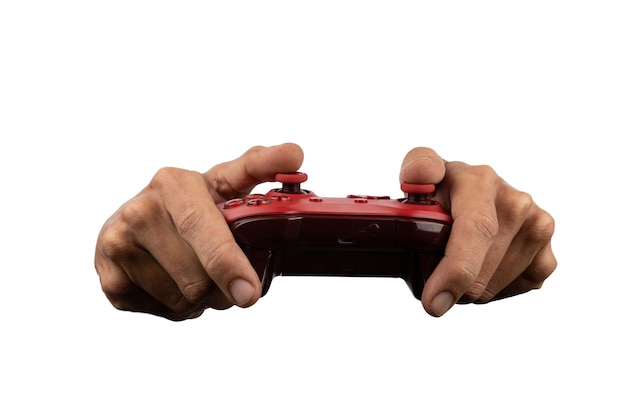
(280, 197)
(373, 228)
(315, 199)
(258, 201)
(361, 200)
(234, 203)
(370, 197)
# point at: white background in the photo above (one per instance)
(96, 96)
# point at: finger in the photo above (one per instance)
(124, 294)
(131, 277)
(197, 220)
(165, 266)
(533, 277)
(529, 259)
(157, 281)
(422, 166)
(259, 164)
(114, 244)
(472, 235)
(510, 252)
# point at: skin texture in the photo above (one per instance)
(169, 252)
(499, 245)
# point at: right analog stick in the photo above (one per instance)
(417, 193)
(291, 182)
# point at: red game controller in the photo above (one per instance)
(292, 231)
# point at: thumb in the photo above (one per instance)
(422, 166)
(258, 164)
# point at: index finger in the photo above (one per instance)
(258, 164)
(472, 204)
(422, 165)
(201, 225)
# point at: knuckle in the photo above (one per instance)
(169, 179)
(485, 172)
(543, 226)
(253, 150)
(188, 218)
(117, 292)
(537, 231)
(114, 242)
(483, 175)
(138, 213)
(166, 176)
(117, 238)
(516, 205)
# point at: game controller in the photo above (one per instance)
(292, 231)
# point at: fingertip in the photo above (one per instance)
(238, 280)
(244, 294)
(262, 163)
(422, 165)
(443, 289)
(292, 152)
(440, 304)
(257, 165)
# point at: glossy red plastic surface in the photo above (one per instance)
(417, 188)
(290, 231)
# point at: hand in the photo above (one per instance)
(499, 245)
(168, 251)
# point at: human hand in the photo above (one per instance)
(499, 245)
(168, 251)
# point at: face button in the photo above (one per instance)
(258, 201)
(280, 198)
(370, 197)
(234, 203)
